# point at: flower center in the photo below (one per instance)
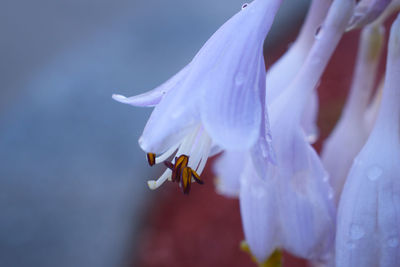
(189, 161)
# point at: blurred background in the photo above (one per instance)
(72, 177)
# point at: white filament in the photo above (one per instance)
(196, 145)
(167, 154)
(154, 184)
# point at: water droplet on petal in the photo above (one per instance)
(374, 172)
(264, 151)
(326, 178)
(244, 5)
(358, 161)
(317, 34)
(239, 79)
(312, 138)
(331, 193)
(393, 242)
(268, 137)
(356, 232)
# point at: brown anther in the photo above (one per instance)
(186, 179)
(176, 172)
(182, 160)
(181, 172)
(151, 158)
(180, 163)
(197, 177)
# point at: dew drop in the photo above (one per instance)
(317, 34)
(356, 232)
(268, 137)
(393, 242)
(358, 161)
(244, 5)
(239, 79)
(326, 178)
(331, 193)
(312, 138)
(374, 172)
(264, 151)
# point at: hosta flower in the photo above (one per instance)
(227, 169)
(291, 205)
(368, 232)
(351, 132)
(215, 100)
(291, 62)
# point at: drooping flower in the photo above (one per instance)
(291, 62)
(291, 204)
(368, 232)
(214, 101)
(227, 169)
(351, 132)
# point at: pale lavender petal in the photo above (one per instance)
(310, 116)
(228, 169)
(368, 232)
(290, 63)
(222, 79)
(260, 214)
(230, 105)
(172, 119)
(351, 131)
(305, 198)
(262, 153)
(153, 97)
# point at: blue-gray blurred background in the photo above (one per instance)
(72, 177)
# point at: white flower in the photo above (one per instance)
(289, 64)
(285, 69)
(216, 99)
(351, 132)
(368, 232)
(291, 204)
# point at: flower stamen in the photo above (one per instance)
(184, 169)
(151, 158)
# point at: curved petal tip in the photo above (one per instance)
(120, 98)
